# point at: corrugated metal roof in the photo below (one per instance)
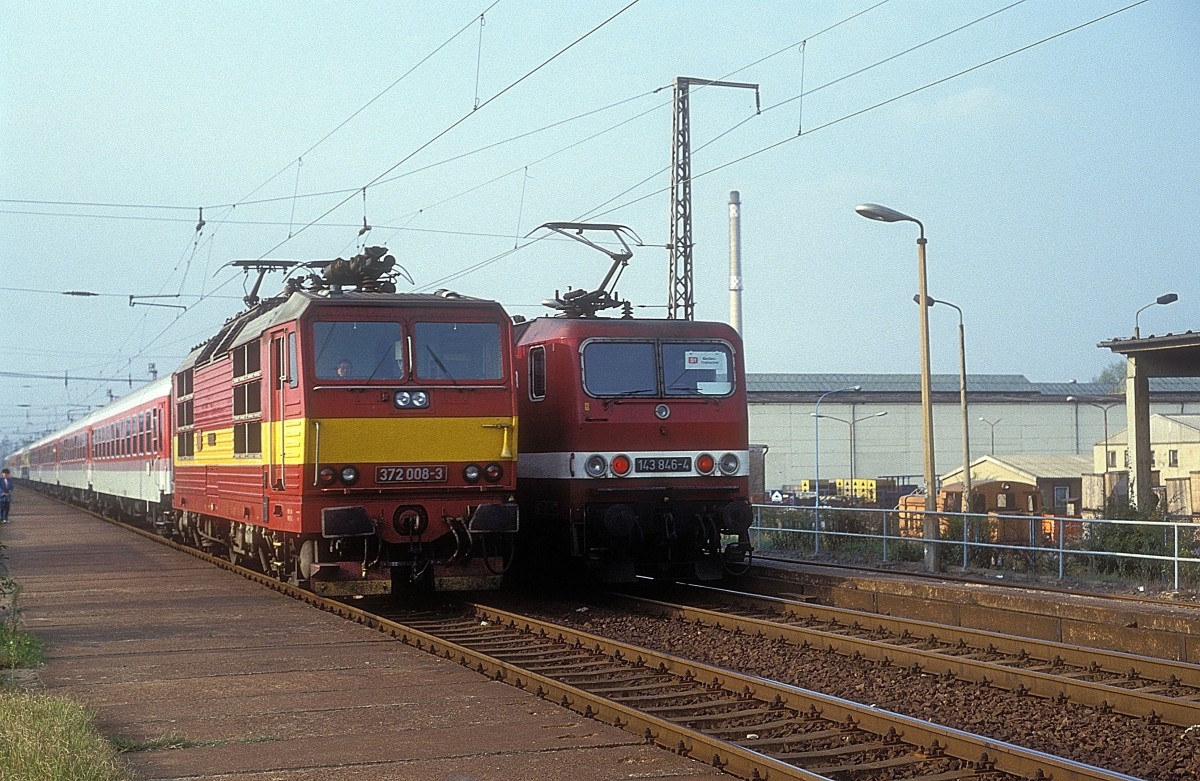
(1032, 467)
(1069, 465)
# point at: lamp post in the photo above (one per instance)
(1104, 408)
(962, 398)
(816, 415)
(851, 423)
(1165, 298)
(874, 211)
(992, 423)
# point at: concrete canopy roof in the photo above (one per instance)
(1170, 355)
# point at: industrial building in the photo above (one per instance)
(875, 431)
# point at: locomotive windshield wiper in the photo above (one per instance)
(440, 365)
(615, 397)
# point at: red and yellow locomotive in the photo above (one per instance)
(634, 439)
(346, 436)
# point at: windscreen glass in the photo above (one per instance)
(620, 369)
(612, 368)
(697, 369)
(358, 351)
(458, 351)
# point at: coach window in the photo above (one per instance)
(619, 369)
(373, 350)
(537, 373)
(697, 369)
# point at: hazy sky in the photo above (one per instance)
(1058, 186)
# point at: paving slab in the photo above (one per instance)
(214, 677)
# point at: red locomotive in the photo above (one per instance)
(634, 438)
(341, 435)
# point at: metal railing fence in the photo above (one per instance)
(1094, 548)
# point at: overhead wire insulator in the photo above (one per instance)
(363, 230)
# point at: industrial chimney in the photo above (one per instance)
(735, 261)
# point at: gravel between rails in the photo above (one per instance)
(1156, 752)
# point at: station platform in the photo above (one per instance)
(209, 676)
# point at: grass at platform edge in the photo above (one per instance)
(48, 738)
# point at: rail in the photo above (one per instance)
(1104, 548)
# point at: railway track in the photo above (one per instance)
(1137, 686)
(745, 725)
(748, 726)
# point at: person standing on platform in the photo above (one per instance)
(6, 492)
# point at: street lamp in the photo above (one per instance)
(874, 211)
(992, 423)
(1104, 408)
(851, 423)
(962, 398)
(1165, 298)
(816, 415)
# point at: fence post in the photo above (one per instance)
(1175, 526)
(816, 514)
(885, 535)
(966, 527)
(1062, 545)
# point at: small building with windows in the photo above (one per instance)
(1019, 485)
(1174, 465)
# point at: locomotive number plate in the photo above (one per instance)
(411, 473)
(662, 464)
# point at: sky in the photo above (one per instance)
(1045, 145)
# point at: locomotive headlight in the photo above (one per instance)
(413, 400)
(471, 473)
(349, 475)
(705, 463)
(325, 476)
(595, 466)
(493, 472)
(621, 465)
(729, 464)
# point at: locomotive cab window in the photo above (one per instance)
(537, 373)
(620, 369)
(358, 351)
(697, 369)
(458, 351)
(612, 368)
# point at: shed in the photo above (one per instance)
(1020, 484)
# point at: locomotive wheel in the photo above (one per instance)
(304, 559)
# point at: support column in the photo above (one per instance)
(1137, 411)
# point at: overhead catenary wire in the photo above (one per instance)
(464, 118)
(908, 93)
(881, 103)
(802, 132)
